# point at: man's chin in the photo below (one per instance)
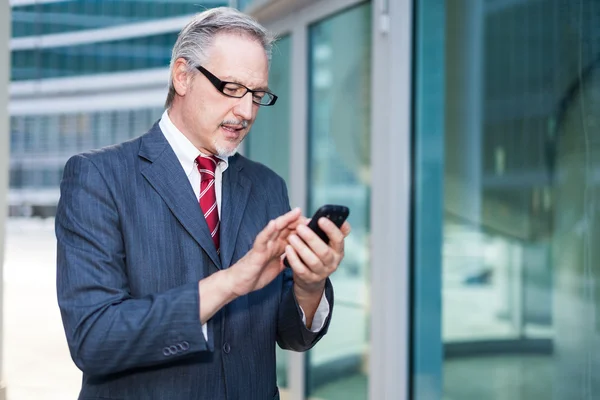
(226, 151)
(227, 154)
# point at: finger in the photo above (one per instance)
(286, 231)
(295, 262)
(294, 224)
(335, 234)
(288, 218)
(281, 266)
(346, 228)
(308, 257)
(266, 234)
(313, 241)
(287, 224)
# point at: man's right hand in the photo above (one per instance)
(263, 262)
(254, 271)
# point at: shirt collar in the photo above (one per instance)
(185, 151)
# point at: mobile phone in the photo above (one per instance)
(335, 213)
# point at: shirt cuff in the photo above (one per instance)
(320, 315)
(205, 331)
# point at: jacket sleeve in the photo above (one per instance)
(108, 330)
(292, 333)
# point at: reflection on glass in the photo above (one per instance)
(93, 58)
(50, 17)
(245, 4)
(269, 140)
(575, 250)
(76, 17)
(41, 144)
(339, 173)
(520, 259)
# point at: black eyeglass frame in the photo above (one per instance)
(220, 86)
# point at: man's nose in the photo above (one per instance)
(244, 108)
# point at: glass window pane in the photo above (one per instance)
(53, 135)
(85, 59)
(339, 173)
(269, 141)
(507, 138)
(68, 16)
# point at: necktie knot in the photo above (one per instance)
(207, 166)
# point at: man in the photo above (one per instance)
(170, 277)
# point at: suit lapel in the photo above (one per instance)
(235, 193)
(166, 176)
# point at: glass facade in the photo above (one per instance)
(95, 55)
(41, 144)
(93, 58)
(43, 139)
(506, 203)
(43, 18)
(339, 173)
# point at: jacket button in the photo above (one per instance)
(226, 348)
(166, 352)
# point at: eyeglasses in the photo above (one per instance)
(237, 90)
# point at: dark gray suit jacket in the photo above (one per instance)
(132, 246)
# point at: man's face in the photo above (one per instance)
(213, 122)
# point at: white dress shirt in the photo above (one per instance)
(187, 153)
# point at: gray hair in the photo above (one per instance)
(195, 39)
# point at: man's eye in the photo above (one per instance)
(233, 90)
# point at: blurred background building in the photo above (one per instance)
(85, 74)
(464, 135)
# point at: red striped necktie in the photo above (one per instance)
(208, 198)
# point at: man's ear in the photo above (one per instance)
(182, 79)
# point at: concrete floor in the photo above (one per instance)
(37, 364)
(498, 378)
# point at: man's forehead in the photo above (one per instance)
(234, 44)
(236, 58)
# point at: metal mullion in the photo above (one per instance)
(391, 127)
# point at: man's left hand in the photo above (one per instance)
(311, 259)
